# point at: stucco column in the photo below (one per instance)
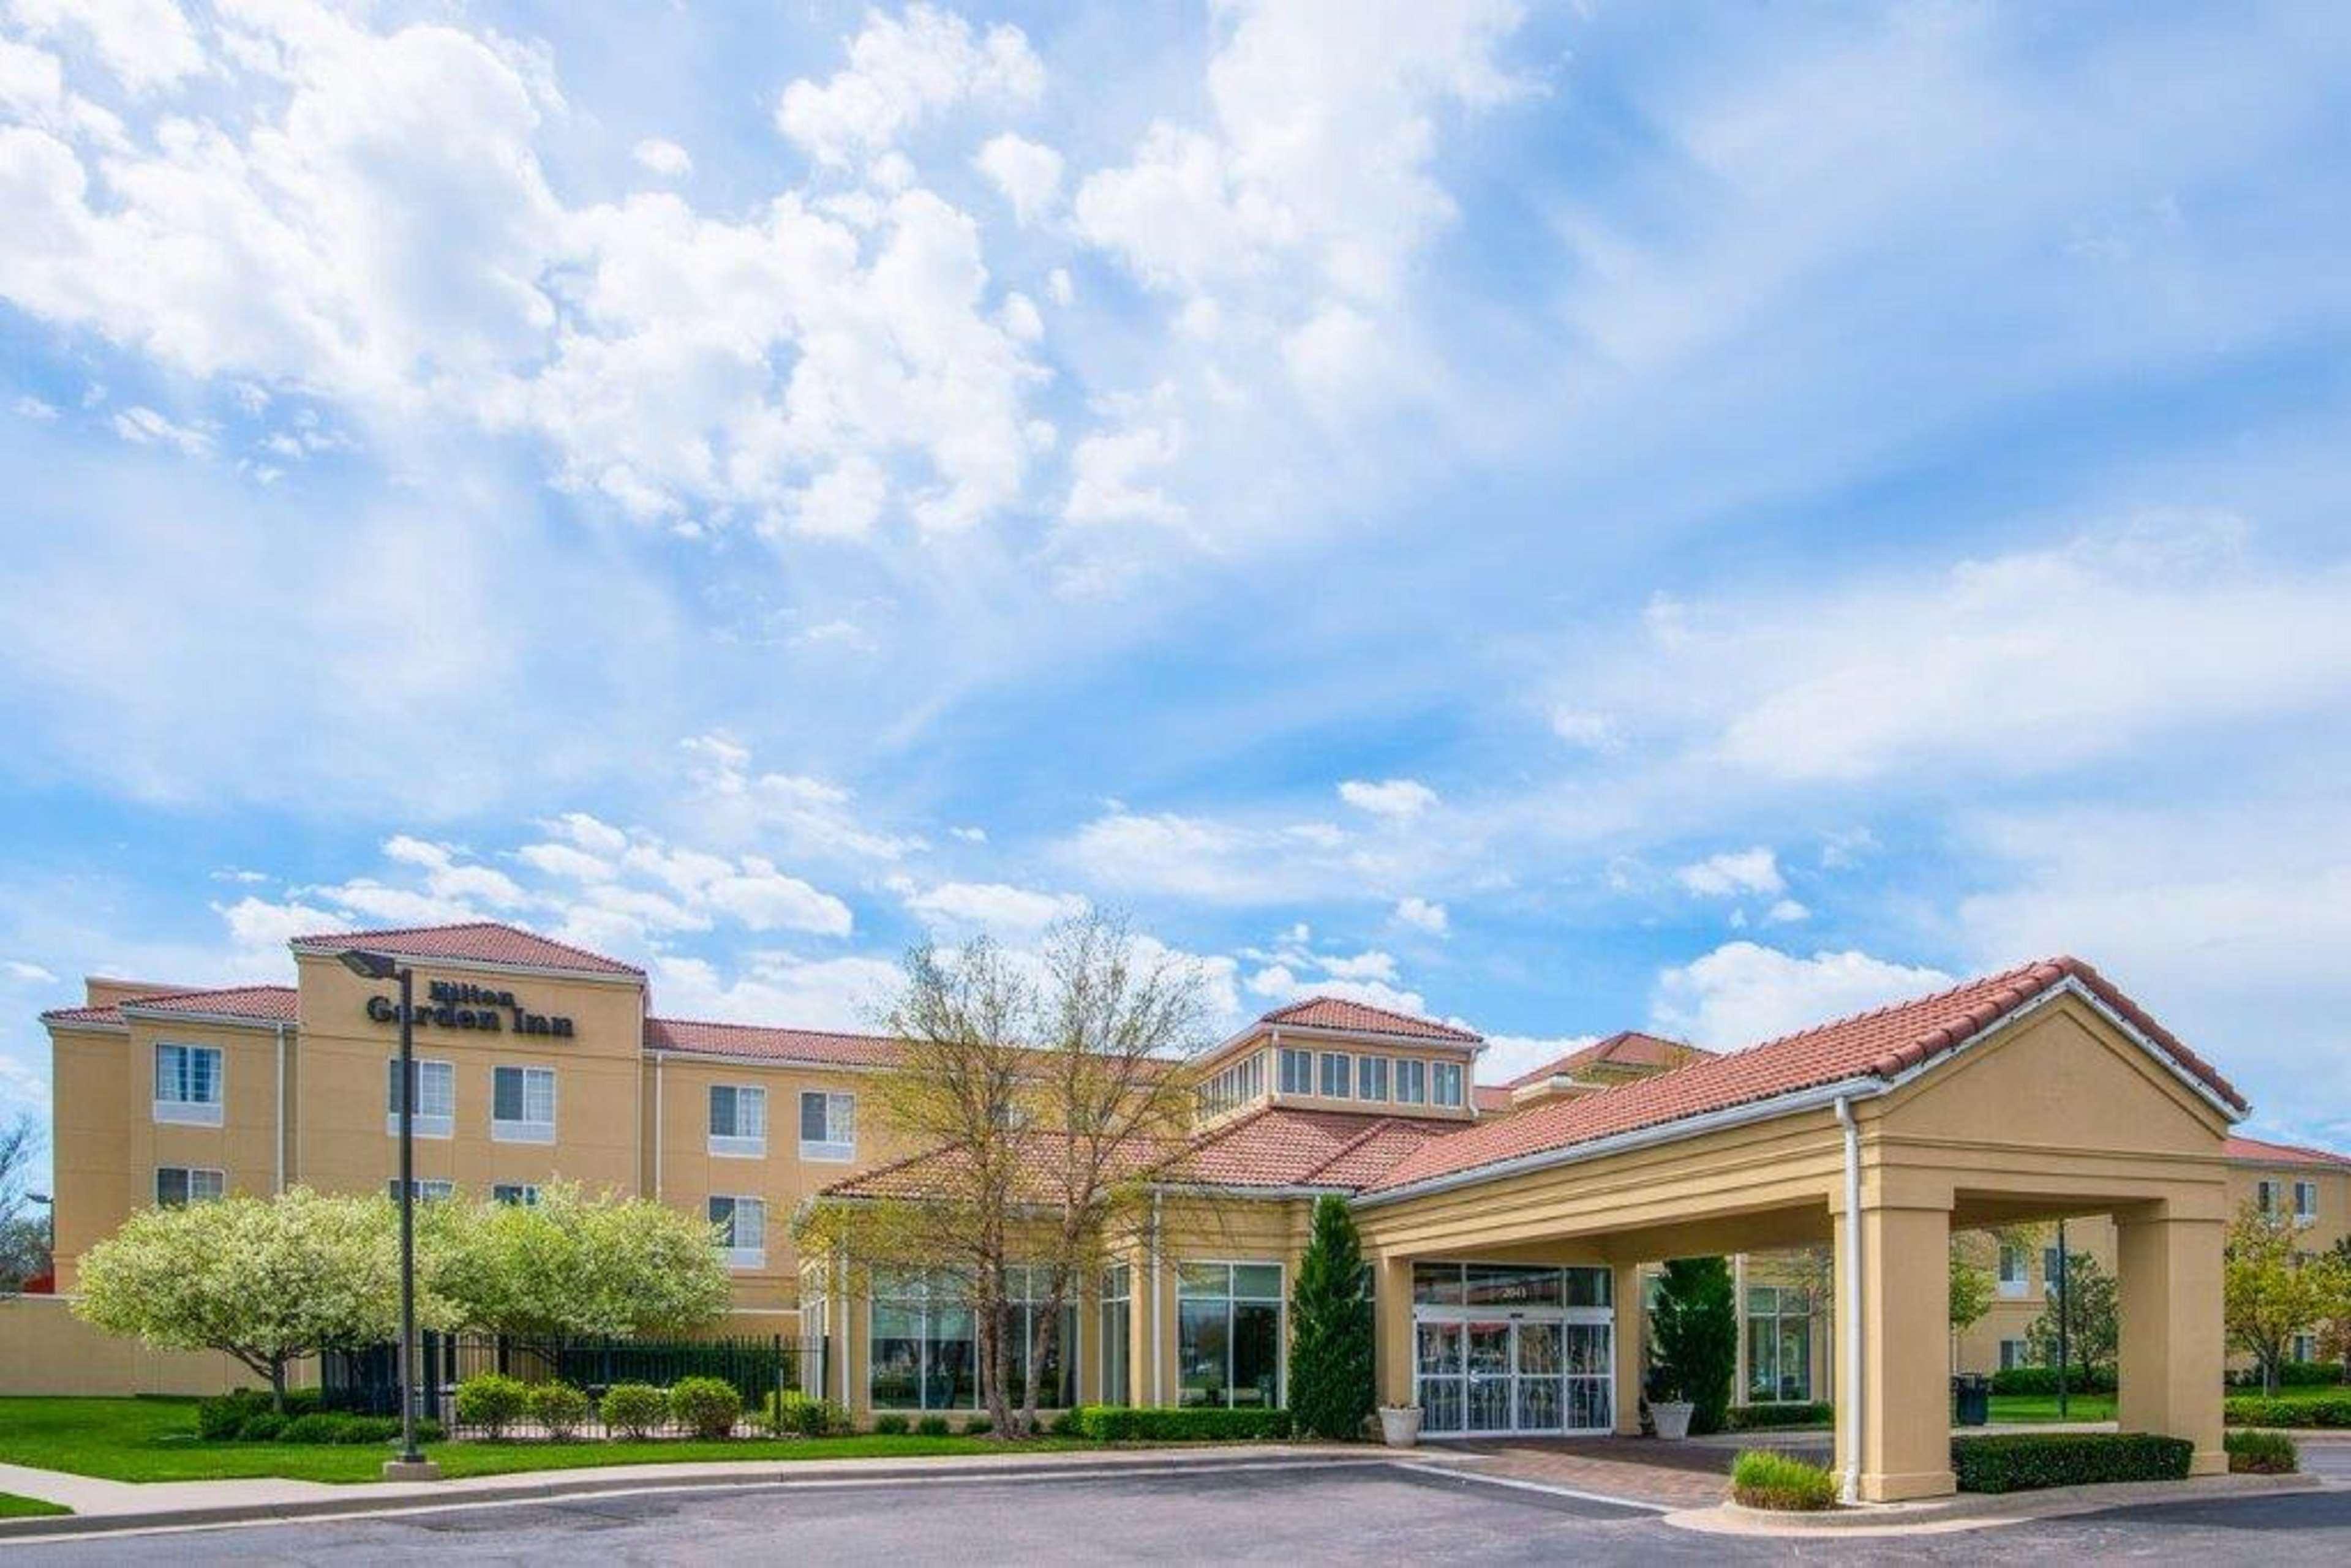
(2168, 1271)
(1631, 1343)
(1905, 1329)
(1392, 1333)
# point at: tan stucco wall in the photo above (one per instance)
(45, 1349)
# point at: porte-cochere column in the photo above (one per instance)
(2173, 1346)
(1904, 1400)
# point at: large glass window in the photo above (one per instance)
(1117, 1334)
(177, 1185)
(1336, 1073)
(188, 1085)
(1229, 1334)
(1448, 1079)
(739, 1120)
(1411, 1080)
(1370, 1078)
(436, 1098)
(828, 1126)
(1779, 1342)
(1297, 1071)
(920, 1348)
(743, 1230)
(519, 1195)
(1025, 1291)
(522, 1104)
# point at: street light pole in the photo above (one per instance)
(411, 1464)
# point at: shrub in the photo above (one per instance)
(491, 1401)
(2026, 1462)
(933, 1426)
(793, 1413)
(1147, 1424)
(634, 1409)
(891, 1425)
(1762, 1478)
(1781, 1413)
(1331, 1328)
(2251, 1410)
(1694, 1335)
(707, 1405)
(978, 1426)
(2292, 1374)
(266, 1428)
(558, 1408)
(219, 1417)
(318, 1426)
(1065, 1424)
(2043, 1380)
(2262, 1453)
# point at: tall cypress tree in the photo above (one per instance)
(1694, 1337)
(1331, 1329)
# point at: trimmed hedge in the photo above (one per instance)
(634, 1409)
(2044, 1380)
(2028, 1461)
(893, 1424)
(1779, 1415)
(2262, 1453)
(244, 1417)
(2294, 1374)
(2252, 1410)
(709, 1406)
(559, 1408)
(222, 1418)
(1764, 1478)
(492, 1401)
(1144, 1424)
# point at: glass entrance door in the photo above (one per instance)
(1484, 1377)
(1491, 1377)
(1539, 1376)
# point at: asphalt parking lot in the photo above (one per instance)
(1371, 1512)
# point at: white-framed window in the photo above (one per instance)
(1338, 1074)
(436, 1098)
(518, 1195)
(1228, 1334)
(2013, 1279)
(739, 1121)
(2052, 1270)
(1297, 1070)
(426, 1191)
(1445, 1077)
(2305, 1202)
(1370, 1078)
(1411, 1080)
(2265, 1196)
(1118, 1332)
(178, 1185)
(743, 1230)
(2012, 1354)
(522, 1104)
(828, 1126)
(188, 1085)
(2305, 1347)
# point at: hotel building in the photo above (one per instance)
(1512, 1226)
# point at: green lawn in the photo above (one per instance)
(155, 1440)
(15, 1507)
(2044, 1407)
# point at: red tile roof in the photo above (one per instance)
(760, 1042)
(1882, 1044)
(1491, 1097)
(2259, 1150)
(1626, 1047)
(266, 1004)
(1362, 1018)
(479, 941)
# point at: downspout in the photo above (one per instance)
(1849, 1490)
(280, 1180)
(657, 1126)
(1158, 1393)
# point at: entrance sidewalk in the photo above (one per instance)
(109, 1505)
(1979, 1511)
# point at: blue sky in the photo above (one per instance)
(1565, 517)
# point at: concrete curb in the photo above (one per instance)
(1978, 1510)
(546, 1485)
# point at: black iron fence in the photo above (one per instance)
(757, 1368)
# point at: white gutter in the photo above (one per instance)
(279, 1118)
(1849, 1396)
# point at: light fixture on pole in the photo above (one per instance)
(411, 1464)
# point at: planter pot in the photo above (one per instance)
(1400, 1425)
(1672, 1418)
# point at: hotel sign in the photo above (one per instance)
(449, 1004)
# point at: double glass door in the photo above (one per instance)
(1493, 1375)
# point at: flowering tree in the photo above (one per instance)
(573, 1264)
(267, 1279)
(2271, 1289)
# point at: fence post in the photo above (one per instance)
(779, 1374)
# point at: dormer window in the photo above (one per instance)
(1337, 1069)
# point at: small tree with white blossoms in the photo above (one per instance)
(265, 1280)
(574, 1265)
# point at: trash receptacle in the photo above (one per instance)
(1972, 1399)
